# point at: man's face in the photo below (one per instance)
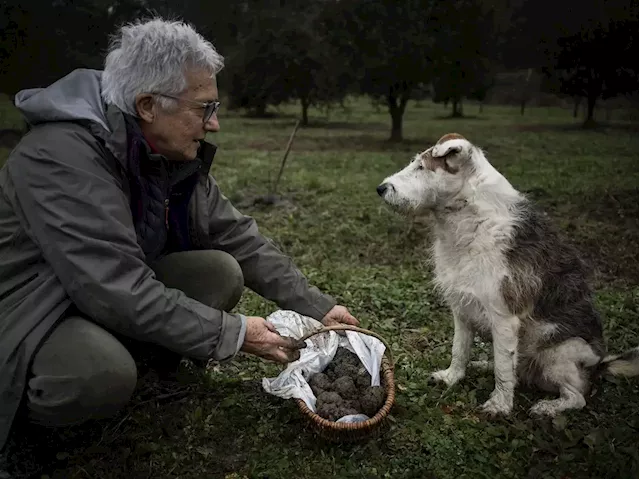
(177, 131)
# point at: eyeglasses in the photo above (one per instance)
(209, 107)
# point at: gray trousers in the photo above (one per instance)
(82, 371)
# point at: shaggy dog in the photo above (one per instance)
(506, 275)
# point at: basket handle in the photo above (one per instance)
(348, 327)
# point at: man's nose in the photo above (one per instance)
(212, 125)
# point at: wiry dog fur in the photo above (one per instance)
(507, 275)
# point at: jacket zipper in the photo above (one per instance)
(166, 213)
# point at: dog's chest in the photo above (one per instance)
(475, 269)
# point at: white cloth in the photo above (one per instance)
(320, 350)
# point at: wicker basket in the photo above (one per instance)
(372, 427)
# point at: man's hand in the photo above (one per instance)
(262, 339)
(339, 314)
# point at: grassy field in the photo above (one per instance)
(334, 226)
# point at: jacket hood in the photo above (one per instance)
(76, 96)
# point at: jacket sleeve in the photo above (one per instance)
(266, 270)
(75, 209)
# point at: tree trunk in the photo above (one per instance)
(525, 91)
(260, 110)
(576, 106)
(457, 108)
(305, 111)
(591, 106)
(396, 124)
(397, 104)
(594, 90)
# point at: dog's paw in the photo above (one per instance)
(448, 376)
(544, 408)
(499, 404)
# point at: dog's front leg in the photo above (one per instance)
(461, 351)
(505, 357)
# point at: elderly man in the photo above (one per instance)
(113, 230)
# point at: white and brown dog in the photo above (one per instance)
(506, 275)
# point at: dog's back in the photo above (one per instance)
(547, 283)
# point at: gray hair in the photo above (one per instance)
(153, 57)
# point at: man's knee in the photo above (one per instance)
(81, 372)
(210, 276)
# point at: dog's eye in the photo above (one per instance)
(420, 166)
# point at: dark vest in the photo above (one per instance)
(160, 195)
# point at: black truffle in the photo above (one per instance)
(345, 387)
(372, 400)
(320, 382)
(329, 411)
(347, 357)
(330, 397)
(363, 378)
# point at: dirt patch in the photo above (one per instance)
(577, 127)
(347, 126)
(349, 143)
(250, 203)
(463, 117)
(604, 228)
(619, 208)
(145, 433)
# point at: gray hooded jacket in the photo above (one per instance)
(68, 237)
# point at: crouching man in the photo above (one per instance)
(113, 232)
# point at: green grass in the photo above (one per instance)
(336, 229)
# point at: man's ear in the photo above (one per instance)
(145, 107)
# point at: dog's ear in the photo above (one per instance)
(446, 150)
(453, 148)
(450, 136)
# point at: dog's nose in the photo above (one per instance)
(382, 188)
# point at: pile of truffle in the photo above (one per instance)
(344, 388)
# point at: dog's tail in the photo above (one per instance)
(625, 364)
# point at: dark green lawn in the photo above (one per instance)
(334, 226)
